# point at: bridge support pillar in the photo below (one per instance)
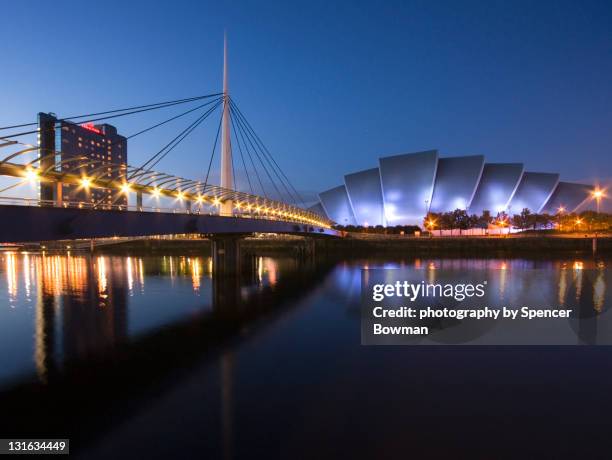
(139, 200)
(306, 252)
(226, 255)
(227, 270)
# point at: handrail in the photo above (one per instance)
(114, 207)
(206, 193)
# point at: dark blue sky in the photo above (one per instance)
(331, 86)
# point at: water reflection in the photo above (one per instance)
(84, 305)
(76, 307)
(11, 277)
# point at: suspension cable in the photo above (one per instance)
(177, 101)
(169, 144)
(246, 147)
(240, 126)
(172, 119)
(246, 173)
(270, 158)
(213, 150)
(191, 129)
(91, 120)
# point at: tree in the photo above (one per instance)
(473, 221)
(460, 219)
(485, 219)
(522, 220)
(502, 218)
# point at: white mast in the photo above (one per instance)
(226, 149)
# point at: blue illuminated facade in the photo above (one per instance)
(407, 185)
(404, 188)
(365, 195)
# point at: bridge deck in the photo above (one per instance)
(41, 223)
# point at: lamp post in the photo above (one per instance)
(502, 223)
(431, 224)
(598, 194)
(560, 212)
(578, 222)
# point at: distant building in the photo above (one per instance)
(91, 151)
(404, 188)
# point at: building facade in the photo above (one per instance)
(404, 188)
(90, 151)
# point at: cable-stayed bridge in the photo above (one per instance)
(84, 194)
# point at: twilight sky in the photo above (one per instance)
(330, 86)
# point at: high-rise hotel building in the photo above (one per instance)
(88, 150)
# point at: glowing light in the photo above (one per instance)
(130, 274)
(578, 265)
(91, 127)
(155, 192)
(216, 201)
(180, 195)
(578, 221)
(561, 210)
(598, 194)
(85, 182)
(200, 199)
(31, 175)
(125, 188)
(102, 280)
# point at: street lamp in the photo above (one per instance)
(31, 175)
(431, 224)
(598, 194)
(578, 222)
(560, 212)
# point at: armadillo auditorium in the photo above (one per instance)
(404, 188)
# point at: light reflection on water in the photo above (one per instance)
(60, 307)
(75, 305)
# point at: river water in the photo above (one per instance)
(152, 357)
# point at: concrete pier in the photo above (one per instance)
(225, 250)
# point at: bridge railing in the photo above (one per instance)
(126, 179)
(195, 209)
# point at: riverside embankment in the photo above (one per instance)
(465, 246)
(360, 245)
